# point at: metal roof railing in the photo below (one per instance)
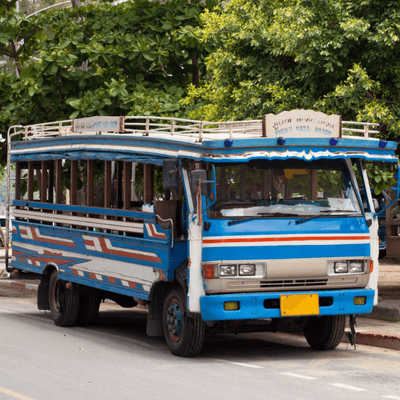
(192, 130)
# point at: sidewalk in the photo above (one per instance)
(381, 328)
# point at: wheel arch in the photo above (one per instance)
(157, 296)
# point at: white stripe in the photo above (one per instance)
(129, 251)
(150, 233)
(58, 239)
(343, 386)
(238, 363)
(298, 376)
(392, 397)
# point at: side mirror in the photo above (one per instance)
(196, 176)
(170, 174)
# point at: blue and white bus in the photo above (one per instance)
(264, 225)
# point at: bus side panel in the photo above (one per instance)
(121, 264)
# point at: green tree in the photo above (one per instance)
(135, 58)
(333, 56)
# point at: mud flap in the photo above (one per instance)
(352, 334)
(43, 295)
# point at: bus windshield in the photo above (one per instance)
(263, 188)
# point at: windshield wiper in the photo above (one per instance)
(261, 216)
(324, 214)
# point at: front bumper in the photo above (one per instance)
(254, 305)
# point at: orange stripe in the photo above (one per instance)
(286, 239)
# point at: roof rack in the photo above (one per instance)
(160, 126)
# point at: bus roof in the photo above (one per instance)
(152, 139)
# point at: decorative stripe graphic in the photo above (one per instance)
(152, 232)
(103, 245)
(107, 279)
(31, 233)
(281, 239)
(41, 260)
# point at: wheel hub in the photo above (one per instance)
(174, 320)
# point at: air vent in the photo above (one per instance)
(294, 283)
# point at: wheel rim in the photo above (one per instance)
(174, 319)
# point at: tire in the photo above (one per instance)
(89, 304)
(325, 333)
(184, 335)
(64, 303)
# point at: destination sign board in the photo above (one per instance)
(302, 124)
(98, 124)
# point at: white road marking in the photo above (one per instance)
(14, 394)
(343, 386)
(391, 397)
(238, 363)
(298, 376)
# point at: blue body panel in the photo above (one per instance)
(252, 304)
(318, 238)
(120, 264)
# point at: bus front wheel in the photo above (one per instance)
(325, 333)
(64, 302)
(184, 335)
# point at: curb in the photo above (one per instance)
(375, 339)
(20, 285)
(378, 340)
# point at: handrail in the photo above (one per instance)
(110, 212)
(177, 127)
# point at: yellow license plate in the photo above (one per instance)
(299, 304)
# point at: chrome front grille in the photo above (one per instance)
(290, 283)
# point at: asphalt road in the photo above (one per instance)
(115, 359)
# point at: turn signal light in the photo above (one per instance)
(208, 271)
(371, 266)
(360, 301)
(231, 306)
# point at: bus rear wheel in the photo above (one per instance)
(89, 304)
(325, 333)
(64, 302)
(184, 335)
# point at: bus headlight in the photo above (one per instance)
(227, 270)
(356, 266)
(247, 270)
(341, 267)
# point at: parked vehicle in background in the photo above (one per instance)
(259, 225)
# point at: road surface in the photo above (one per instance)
(114, 359)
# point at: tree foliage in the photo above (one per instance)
(134, 58)
(333, 56)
